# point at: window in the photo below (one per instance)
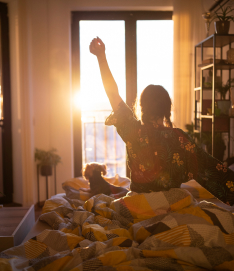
(128, 37)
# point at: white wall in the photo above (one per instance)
(41, 83)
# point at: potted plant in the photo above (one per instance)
(219, 144)
(223, 18)
(46, 160)
(204, 140)
(223, 89)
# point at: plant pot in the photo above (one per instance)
(222, 27)
(224, 107)
(46, 170)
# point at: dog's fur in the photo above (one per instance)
(93, 172)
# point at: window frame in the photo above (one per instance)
(130, 18)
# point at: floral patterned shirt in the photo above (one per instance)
(161, 158)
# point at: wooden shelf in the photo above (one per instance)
(221, 40)
(206, 117)
(216, 117)
(220, 66)
(212, 63)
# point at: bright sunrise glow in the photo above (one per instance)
(93, 96)
(155, 54)
(77, 99)
(101, 143)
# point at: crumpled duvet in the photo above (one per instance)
(166, 230)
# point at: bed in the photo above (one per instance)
(181, 229)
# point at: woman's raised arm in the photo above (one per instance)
(97, 48)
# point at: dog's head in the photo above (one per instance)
(88, 169)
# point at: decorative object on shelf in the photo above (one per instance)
(230, 56)
(217, 110)
(207, 84)
(224, 88)
(204, 140)
(223, 18)
(46, 160)
(207, 17)
(224, 105)
(222, 27)
(209, 111)
(219, 143)
(231, 111)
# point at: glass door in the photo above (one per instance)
(139, 52)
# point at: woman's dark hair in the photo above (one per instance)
(155, 103)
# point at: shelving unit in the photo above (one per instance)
(207, 78)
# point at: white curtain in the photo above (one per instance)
(189, 29)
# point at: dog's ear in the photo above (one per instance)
(103, 170)
(86, 171)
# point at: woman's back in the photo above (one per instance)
(161, 158)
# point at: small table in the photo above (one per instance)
(15, 223)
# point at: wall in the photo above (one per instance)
(41, 83)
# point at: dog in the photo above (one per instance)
(94, 172)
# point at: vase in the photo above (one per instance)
(224, 107)
(222, 27)
(207, 17)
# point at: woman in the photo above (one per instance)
(160, 157)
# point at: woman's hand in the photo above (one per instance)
(97, 47)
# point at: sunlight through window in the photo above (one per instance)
(155, 54)
(154, 66)
(101, 143)
(112, 33)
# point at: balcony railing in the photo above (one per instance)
(102, 143)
